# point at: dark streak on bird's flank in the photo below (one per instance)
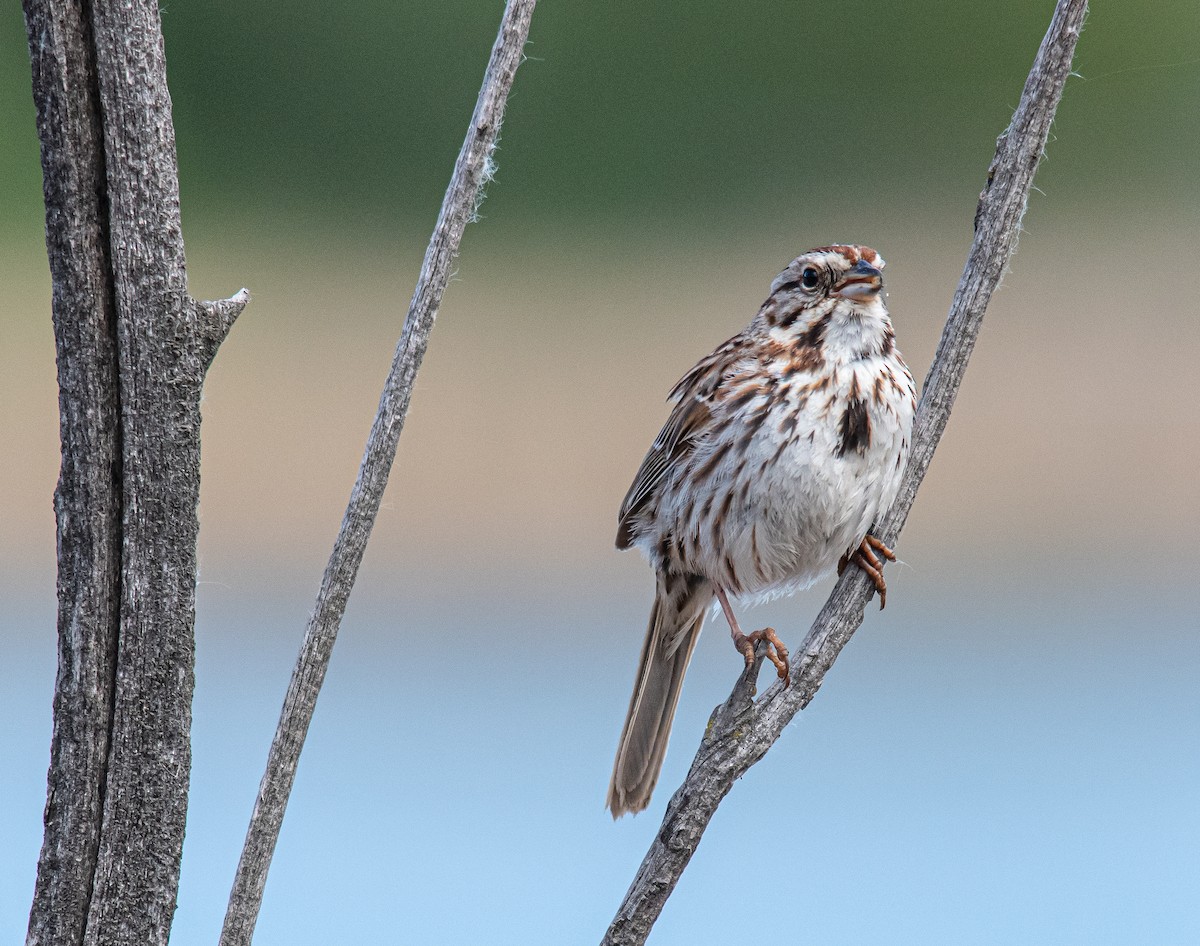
(854, 428)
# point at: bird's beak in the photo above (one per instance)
(862, 282)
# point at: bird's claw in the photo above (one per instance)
(866, 559)
(777, 653)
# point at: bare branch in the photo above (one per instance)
(741, 731)
(471, 171)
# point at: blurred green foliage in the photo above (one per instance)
(631, 109)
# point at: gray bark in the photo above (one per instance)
(742, 730)
(471, 172)
(132, 350)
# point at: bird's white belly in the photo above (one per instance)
(795, 517)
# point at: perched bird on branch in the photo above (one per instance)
(784, 446)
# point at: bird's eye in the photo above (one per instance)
(810, 278)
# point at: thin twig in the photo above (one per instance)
(471, 172)
(742, 731)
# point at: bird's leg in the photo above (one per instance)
(865, 558)
(777, 653)
(741, 642)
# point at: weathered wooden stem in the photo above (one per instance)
(133, 349)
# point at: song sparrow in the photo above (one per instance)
(784, 446)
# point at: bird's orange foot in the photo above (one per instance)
(777, 653)
(866, 559)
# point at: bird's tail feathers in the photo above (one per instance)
(680, 606)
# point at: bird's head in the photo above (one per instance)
(843, 271)
(829, 287)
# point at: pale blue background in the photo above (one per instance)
(994, 767)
